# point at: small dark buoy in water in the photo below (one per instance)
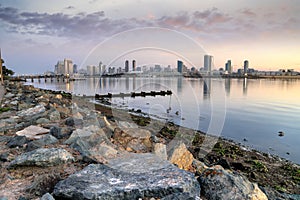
(245, 140)
(280, 133)
(288, 153)
(177, 113)
(168, 110)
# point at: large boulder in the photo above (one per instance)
(132, 177)
(43, 158)
(217, 183)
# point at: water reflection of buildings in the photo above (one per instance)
(179, 84)
(227, 86)
(127, 83)
(245, 84)
(133, 83)
(206, 88)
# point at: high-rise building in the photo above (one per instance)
(90, 70)
(179, 66)
(208, 63)
(246, 67)
(68, 64)
(64, 67)
(133, 65)
(126, 66)
(59, 68)
(157, 68)
(228, 67)
(75, 70)
(101, 69)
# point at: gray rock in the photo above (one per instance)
(14, 103)
(4, 157)
(154, 178)
(43, 158)
(17, 141)
(49, 139)
(36, 144)
(54, 116)
(70, 121)
(179, 196)
(93, 146)
(56, 132)
(273, 194)
(22, 106)
(47, 196)
(42, 121)
(10, 120)
(5, 138)
(66, 131)
(45, 140)
(32, 111)
(82, 133)
(9, 95)
(217, 183)
(160, 150)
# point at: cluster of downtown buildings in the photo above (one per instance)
(243, 71)
(208, 68)
(66, 67)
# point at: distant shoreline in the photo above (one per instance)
(20, 79)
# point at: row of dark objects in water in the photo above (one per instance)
(135, 94)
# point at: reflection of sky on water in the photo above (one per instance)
(255, 109)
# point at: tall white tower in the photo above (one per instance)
(208, 59)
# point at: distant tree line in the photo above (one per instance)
(6, 72)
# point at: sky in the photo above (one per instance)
(34, 35)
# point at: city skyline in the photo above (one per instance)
(35, 35)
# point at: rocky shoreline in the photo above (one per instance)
(57, 146)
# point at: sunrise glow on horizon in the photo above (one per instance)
(35, 35)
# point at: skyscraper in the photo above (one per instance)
(179, 66)
(59, 68)
(64, 67)
(68, 65)
(246, 67)
(126, 66)
(207, 63)
(133, 65)
(228, 66)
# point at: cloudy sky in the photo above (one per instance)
(34, 34)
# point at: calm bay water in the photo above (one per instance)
(250, 111)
